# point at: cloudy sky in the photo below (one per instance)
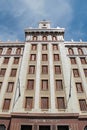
(15, 15)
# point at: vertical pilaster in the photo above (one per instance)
(52, 87)
(37, 89)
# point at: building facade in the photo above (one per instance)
(43, 81)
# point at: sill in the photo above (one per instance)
(5, 110)
(85, 111)
(44, 109)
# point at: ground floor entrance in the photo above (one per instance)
(43, 122)
(45, 127)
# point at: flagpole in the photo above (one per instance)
(18, 83)
(70, 86)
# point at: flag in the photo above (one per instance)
(17, 92)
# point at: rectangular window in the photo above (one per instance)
(10, 87)
(63, 127)
(26, 127)
(0, 85)
(79, 87)
(6, 104)
(44, 103)
(76, 72)
(2, 72)
(32, 69)
(44, 57)
(59, 86)
(6, 60)
(16, 60)
(44, 47)
(55, 47)
(57, 70)
(83, 105)
(85, 72)
(29, 103)
(73, 60)
(60, 103)
(13, 72)
(30, 84)
(33, 57)
(56, 57)
(83, 60)
(34, 47)
(44, 69)
(44, 85)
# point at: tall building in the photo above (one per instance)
(43, 81)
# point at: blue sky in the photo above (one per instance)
(15, 15)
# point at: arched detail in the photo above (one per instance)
(80, 52)
(18, 51)
(85, 128)
(54, 38)
(2, 127)
(1, 51)
(44, 38)
(9, 51)
(70, 50)
(34, 38)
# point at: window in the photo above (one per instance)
(76, 72)
(79, 87)
(54, 38)
(73, 60)
(10, 87)
(1, 51)
(13, 72)
(16, 60)
(44, 85)
(63, 127)
(44, 38)
(44, 103)
(85, 72)
(26, 127)
(29, 102)
(59, 86)
(9, 51)
(34, 38)
(44, 69)
(60, 103)
(80, 52)
(44, 47)
(83, 60)
(6, 104)
(32, 69)
(44, 57)
(83, 105)
(85, 128)
(30, 84)
(34, 47)
(32, 57)
(55, 47)
(57, 70)
(56, 57)
(0, 85)
(6, 60)
(70, 50)
(2, 72)
(44, 127)
(2, 127)
(18, 51)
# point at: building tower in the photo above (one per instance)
(43, 81)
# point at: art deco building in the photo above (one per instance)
(43, 81)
